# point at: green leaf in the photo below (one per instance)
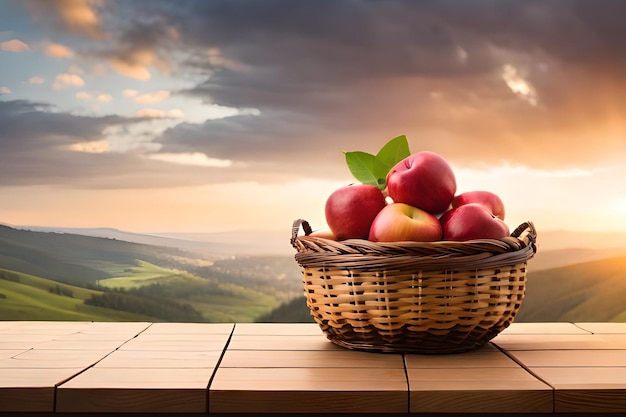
(373, 169)
(362, 166)
(394, 151)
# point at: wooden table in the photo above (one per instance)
(86, 368)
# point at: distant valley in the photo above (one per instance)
(65, 276)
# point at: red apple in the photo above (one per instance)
(489, 200)
(472, 221)
(424, 180)
(399, 222)
(350, 210)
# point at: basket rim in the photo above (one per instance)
(315, 251)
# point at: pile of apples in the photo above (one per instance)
(419, 203)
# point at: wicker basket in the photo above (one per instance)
(440, 297)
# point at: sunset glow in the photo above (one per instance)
(152, 118)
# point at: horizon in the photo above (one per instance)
(144, 117)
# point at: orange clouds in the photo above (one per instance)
(14, 45)
(95, 97)
(67, 80)
(136, 63)
(133, 57)
(151, 98)
(75, 16)
(57, 50)
(160, 114)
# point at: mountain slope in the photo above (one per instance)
(589, 291)
(27, 297)
(73, 259)
(158, 283)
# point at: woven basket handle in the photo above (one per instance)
(527, 233)
(296, 229)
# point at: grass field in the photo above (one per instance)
(30, 298)
(588, 291)
(227, 303)
(135, 276)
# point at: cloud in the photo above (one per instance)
(80, 17)
(104, 98)
(192, 158)
(14, 45)
(476, 81)
(160, 114)
(143, 46)
(48, 146)
(135, 68)
(96, 146)
(67, 80)
(519, 85)
(36, 80)
(94, 97)
(129, 92)
(57, 50)
(538, 84)
(149, 98)
(5, 90)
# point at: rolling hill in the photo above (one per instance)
(66, 276)
(587, 291)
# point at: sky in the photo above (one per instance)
(205, 116)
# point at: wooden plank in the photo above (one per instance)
(31, 390)
(8, 324)
(116, 338)
(577, 377)
(12, 341)
(140, 390)
(78, 344)
(160, 370)
(486, 357)
(49, 327)
(271, 342)
(310, 359)
(278, 329)
(595, 327)
(586, 389)
(104, 367)
(9, 353)
(126, 328)
(512, 342)
(24, 400)
(544, 328)
(172, 344)
(149, 338)
(189, 328)
(308, 390)
(570, 358)
(58, 358)
(130, 359)
(482, 390)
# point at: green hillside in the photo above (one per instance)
(293, 311)
(75, 259)
(27, 297)
(58, 276)
(589, 291)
